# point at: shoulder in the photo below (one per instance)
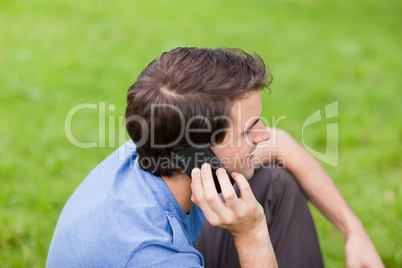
(118, 215)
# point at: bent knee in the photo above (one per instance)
(276, 180)
(283, 180)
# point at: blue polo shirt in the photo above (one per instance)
(122, 216)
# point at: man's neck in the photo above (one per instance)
(180, 186)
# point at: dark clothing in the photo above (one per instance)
(290, 225)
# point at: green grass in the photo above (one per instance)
(58, 54)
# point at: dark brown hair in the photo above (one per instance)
(194, 86)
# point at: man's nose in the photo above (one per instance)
(261, 133)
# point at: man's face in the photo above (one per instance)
(247, 130)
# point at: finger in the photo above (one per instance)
(245, 190)
(197, 191)
(196, 185)
(210, 193)
(197, 195)
(228, 191)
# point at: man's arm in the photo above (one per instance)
(322, 192)
(243, 217)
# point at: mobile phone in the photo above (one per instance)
(192, 157)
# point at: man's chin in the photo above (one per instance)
(248, 174)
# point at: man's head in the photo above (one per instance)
(186, 97)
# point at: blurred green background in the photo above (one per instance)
(59, 54)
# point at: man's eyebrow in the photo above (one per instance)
(253, 124)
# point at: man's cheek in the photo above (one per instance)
(226, 162)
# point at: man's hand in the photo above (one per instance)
(243, 217)
(237, 215)
(360, 252)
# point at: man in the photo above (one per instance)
(144, 211)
